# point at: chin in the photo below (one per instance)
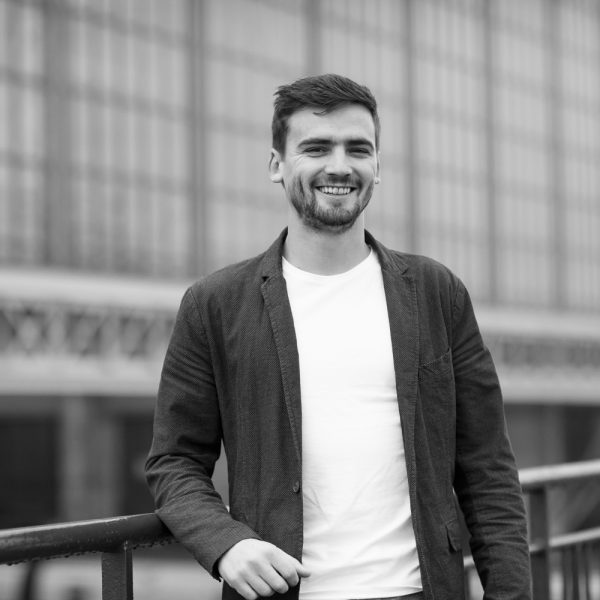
(331, 224)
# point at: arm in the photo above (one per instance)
(486, 477)
(179, 469)
(187, 443)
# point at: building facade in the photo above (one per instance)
(134, 139)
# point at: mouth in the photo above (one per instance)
(335, 190)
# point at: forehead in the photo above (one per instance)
(352, 121)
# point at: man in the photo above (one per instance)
(352, 392)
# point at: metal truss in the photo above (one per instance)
(84, 335)
(85, 339)
(545, 356)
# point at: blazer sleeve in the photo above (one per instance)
(486, 476)
(187, 443)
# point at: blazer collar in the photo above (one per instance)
(389, 261)
(401, 299)
(271, 264)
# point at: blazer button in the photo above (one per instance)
(296, 487)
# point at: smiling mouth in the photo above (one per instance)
(335, 190)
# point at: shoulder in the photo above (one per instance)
(426, 268)
(434, 279)
(425, 271)
(229, 282)
(229, 289)
(436, 286)
(231, 276)
(244, 277)
(440, 295)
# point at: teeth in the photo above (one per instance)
(334, 190)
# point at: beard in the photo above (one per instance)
(334, 219)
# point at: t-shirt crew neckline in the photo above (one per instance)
(365, 263)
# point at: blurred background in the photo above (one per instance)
(134, 139)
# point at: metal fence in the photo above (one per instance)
(565, 565)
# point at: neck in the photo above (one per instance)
(322, 252)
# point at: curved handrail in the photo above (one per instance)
(80, 537)
(144, 530)
(536, 477)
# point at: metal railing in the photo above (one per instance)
(562, 561)
(115, 538)
(565, 565)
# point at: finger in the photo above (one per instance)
(301, 569)
(285, 565)
(259, 585)
(275, 580)
(289, 568)
(246, 591)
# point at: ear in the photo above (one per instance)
(377, 178)
(275, 166)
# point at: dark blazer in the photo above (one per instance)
(231, 375)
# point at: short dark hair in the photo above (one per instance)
(326, 92)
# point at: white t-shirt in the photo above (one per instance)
(358, 536)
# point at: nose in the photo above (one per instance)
(338, 163)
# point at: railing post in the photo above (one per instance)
(117, 574)
(539, 525)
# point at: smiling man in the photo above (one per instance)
(329, 164)
(351, 390)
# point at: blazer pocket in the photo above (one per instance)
(454, 535)
(438, 366)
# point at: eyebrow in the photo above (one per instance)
(328, 141)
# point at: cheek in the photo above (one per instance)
(302, 180)
(371, 172)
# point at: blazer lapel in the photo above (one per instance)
(278, 307)
(401, 298)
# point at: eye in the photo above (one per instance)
(316, 150)
(361, 151)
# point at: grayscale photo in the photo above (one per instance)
(299, 299)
